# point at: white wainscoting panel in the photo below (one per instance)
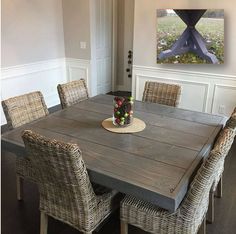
(224, 94)
(43, 76)
(204, 92)
(78, 69)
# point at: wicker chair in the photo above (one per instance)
(66, 193)
(217, 187)
(192, 211)
(72, 92)
(231, 123)
(19, 111)
(166, 94)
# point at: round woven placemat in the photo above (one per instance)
(137, 126)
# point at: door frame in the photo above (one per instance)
(128, 36)
(127, 82)
(114, 44)
(93, 66)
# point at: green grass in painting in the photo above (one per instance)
(169, 30)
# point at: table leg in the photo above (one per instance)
(19, 188)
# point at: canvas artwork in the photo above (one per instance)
(190, 36)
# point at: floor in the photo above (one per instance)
(23, 217)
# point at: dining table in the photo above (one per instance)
(156, 164)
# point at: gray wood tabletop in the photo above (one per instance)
(156, 164)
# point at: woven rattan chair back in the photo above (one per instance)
(24, 109)
(224, 141)
(166, 94)
(223, 145)
(72, 92)
(65, 189)
(231, 123)
(198, 194)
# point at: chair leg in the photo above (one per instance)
(19, 188)
(219, 189)
(202, 229)
(210, 212)
(43, 223)
(123, 227)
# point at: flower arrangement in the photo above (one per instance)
(123, 111)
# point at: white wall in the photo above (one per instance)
(43, 76)
(41, 46)
(32, 31)
(78, 27)
(76, 20)
(145, 35)
(32, 55)
(76, 23)
(205, 87)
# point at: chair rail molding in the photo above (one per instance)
(29, 68)
(43, 76)
(77, 69)
(206, 92)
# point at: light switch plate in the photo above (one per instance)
(83, 45)
(221, 109)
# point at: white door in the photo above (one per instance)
(125, 24)
(128, 39)
(102, 51)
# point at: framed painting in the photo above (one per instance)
(190, 36)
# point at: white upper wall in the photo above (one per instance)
(145, 35)
(31, 31)
(76, 19)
